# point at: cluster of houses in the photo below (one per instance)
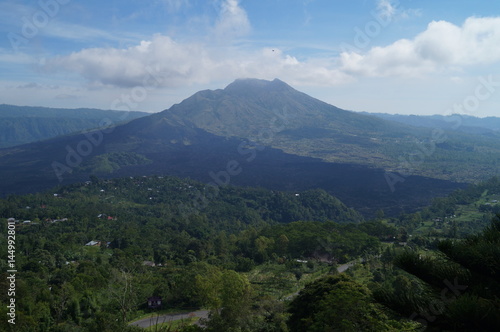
(18, 222)
(97, 243)
(105, 216)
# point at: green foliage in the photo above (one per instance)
(463, 212)
(67, 285)
(480, 253)
(462, 288)
(337, 303)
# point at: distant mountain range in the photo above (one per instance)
(454, 122)
(26, 124)
(265, 133)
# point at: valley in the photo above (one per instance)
(254, 208)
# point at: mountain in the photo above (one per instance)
(258, 133)
(275, 114)
(251, 108)
(456, 122)
(25, 124)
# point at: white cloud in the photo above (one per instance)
(442, 46)
(390, 10)
(175, 63)
(178, 64)
(386, 9)
(232, 21)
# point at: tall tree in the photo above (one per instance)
(338, 303)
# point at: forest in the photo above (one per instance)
(89, 255)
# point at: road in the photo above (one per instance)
(346, 266)
(340, 269)
(147, 322)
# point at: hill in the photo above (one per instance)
(25, 124)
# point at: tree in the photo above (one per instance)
(464, 287)
(122, 293)
(282, 245)
(227, 294)
(337, 303)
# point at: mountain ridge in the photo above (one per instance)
(26, 124)
(455, 122)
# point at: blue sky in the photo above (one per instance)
(406, 56)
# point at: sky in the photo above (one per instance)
(390, 56)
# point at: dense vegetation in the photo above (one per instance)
(243, 254)
(66, 285)
(463, 212)
(455, 289)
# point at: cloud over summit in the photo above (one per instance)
(441, 47)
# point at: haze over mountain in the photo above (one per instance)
(264, 133)
(26, 124)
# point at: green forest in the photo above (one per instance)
(89, 255)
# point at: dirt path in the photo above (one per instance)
(147, 322)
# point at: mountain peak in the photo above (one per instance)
(245, 84)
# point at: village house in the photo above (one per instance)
(154, 302)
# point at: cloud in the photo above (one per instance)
(442, 46)
(174, 64)
(390, 10)
(232, 21)
(386, 9)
